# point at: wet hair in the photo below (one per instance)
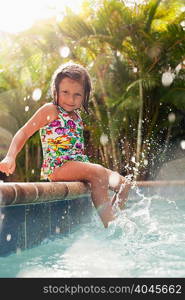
(73, 71)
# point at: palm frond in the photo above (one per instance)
(151, 15)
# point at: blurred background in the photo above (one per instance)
(135, 54)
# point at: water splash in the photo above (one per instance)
(145, 240)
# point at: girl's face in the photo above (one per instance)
(71, 94)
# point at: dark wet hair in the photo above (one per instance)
(75, 72)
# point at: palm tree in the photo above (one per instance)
(125, 50)
(141, 41)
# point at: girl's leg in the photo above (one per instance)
(120, 185)
(97, 176)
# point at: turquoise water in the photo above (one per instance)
(146, 240)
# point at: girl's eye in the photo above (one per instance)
(67, 93)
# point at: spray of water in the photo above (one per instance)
(93, 252)
(140, 242)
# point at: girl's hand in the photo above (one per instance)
(7, 165)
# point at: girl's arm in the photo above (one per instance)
(44, 115)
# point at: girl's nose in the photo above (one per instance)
(71, 98)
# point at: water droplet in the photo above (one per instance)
(114, 179)
(8, 237)
(36, 95)
(183, 23)
(167, 78)
(178, 68)
(145, 162)
(2, 216)
(133, 159)
(182, 143)
(171, 117)
(91, 65)
(57, 229)
(104, 139)
(64, 51)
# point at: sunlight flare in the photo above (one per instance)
(20, 15)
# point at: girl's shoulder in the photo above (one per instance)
(49, 110)
(43, 116)
(49, 106)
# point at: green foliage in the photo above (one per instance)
(126, 50)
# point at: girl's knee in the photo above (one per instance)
(99, 170)
(99, 173)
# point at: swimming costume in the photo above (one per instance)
(62, 140)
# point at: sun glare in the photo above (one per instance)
(19, 15)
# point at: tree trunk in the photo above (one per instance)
(139, 131)
(105, 158)
(112, 140)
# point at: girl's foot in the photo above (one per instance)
(122, 195)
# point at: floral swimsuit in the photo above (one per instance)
(62, 140)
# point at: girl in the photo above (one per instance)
(61, 131)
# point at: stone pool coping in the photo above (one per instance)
(12, 193)
(36, 211)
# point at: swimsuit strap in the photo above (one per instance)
(61, 109)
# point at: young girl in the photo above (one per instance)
(61, 131)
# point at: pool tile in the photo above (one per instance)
(12, 229)
(26, 226)
(59, 217)
(37, 223)
(80, 210)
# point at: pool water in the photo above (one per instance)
(146, 240)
